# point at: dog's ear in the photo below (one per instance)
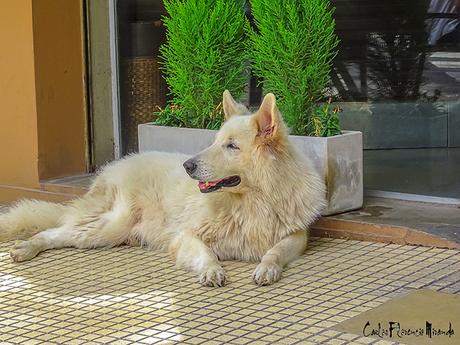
(231, 107)
(268, 117)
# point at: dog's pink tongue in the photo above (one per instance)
(205, 185)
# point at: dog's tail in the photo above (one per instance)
(28, 217)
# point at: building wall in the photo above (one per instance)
(42, 95)
(18, 120)
(60, 87)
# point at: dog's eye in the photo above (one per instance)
(232, 146)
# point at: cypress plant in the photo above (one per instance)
(204, 55)
(292, 48)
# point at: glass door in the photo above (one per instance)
(398, 76)
(142, 87)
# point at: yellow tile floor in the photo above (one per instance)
(133, 296)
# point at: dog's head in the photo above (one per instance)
(242, 145)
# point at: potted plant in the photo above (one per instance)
(291, 50)
(204, 55)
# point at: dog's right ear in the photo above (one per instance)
(231, 107)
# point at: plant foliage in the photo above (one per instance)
(204, 55)
(325, 120)
(292, 48)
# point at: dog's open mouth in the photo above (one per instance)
(211, 186)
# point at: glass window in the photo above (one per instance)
(398, 74)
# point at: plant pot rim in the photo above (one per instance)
(344, 132)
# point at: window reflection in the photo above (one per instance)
(394, 50)
(444, 25)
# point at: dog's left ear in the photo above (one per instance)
(231, 107)
(268, 117)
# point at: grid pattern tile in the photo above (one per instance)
(131, 295)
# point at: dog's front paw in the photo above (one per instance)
(213, 276)
(267, 273)
(23, 251)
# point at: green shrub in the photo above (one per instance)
(292, 49)
(172, 116)
(203, 56)
(324, 120)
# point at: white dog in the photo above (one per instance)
(250, 197)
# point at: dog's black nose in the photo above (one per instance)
(190, 166)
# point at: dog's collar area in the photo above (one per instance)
(211, 186)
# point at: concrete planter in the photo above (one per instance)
(338, 159)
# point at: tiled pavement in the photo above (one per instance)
(131, 295)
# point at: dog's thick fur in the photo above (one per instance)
(149, 199)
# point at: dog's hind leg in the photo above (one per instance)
(191, 253)
(52, 238)
(104, 230)
(65, 236)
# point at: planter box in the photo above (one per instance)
(338, 159)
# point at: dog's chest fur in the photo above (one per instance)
(236, 233)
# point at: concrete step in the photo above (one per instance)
(396, 221)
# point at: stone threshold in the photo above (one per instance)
(361, 231)
(10, 193)
(396, 221)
